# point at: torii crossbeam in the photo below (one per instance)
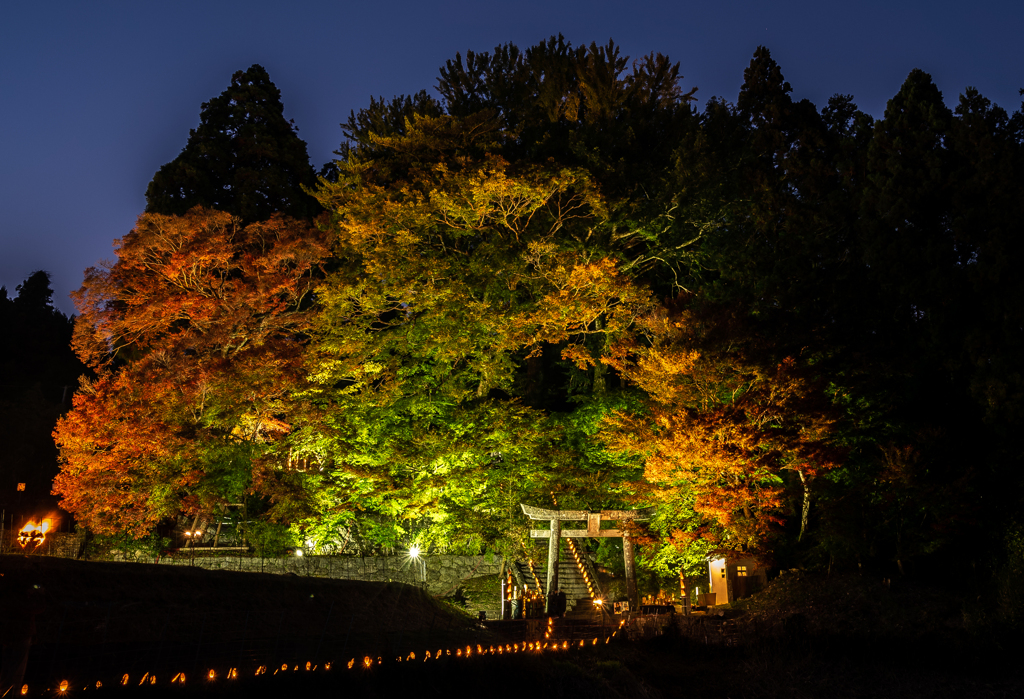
(593, 519)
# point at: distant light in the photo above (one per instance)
(414, 552)
(298, 552)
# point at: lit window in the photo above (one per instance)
(741, 571)
(21, 487)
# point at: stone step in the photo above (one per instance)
(570, 579)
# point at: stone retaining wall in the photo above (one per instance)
(440, 574)
(56, 544)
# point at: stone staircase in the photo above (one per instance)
(570, 576)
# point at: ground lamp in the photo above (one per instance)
(191, 537)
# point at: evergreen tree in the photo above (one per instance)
(244, 158)
(38, 374)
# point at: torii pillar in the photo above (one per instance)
(593, 519)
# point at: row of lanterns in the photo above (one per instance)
(368, 661)
(583, 569)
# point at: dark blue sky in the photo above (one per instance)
(95, 96)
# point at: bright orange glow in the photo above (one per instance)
(24, 689)
(124, 680)
(33, 533)
(308, 665)
(351, 663)
(63, 686)
(211, 675)
(367, 661)
(232, 673)
(98, 684)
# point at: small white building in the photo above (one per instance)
(735, 579)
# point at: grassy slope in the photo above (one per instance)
(804, 636)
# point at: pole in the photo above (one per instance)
(627, 557)
(556, 535)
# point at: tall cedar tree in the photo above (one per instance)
(38, 375)
(244, 158)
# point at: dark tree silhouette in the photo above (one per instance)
(244, 158)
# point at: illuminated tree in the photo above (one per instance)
(196, 336)
(719, 430)
(454, 278)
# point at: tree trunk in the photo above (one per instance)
(600, 370)
(805, 511)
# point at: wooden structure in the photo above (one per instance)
(593, 519)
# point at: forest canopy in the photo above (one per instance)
(791, 329)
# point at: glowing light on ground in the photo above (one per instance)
(33, 533)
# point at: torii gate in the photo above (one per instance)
(594, 519)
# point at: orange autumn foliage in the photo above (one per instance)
(719, 430)
(195, 334)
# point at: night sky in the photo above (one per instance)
(96, 96)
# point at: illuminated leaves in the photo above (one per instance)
(719, 430)
(452, 275)
(196, 333)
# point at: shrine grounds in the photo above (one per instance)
(804, 636)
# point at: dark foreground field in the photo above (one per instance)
(803, 637)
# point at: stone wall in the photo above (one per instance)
(56, 544)
(440, 574)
